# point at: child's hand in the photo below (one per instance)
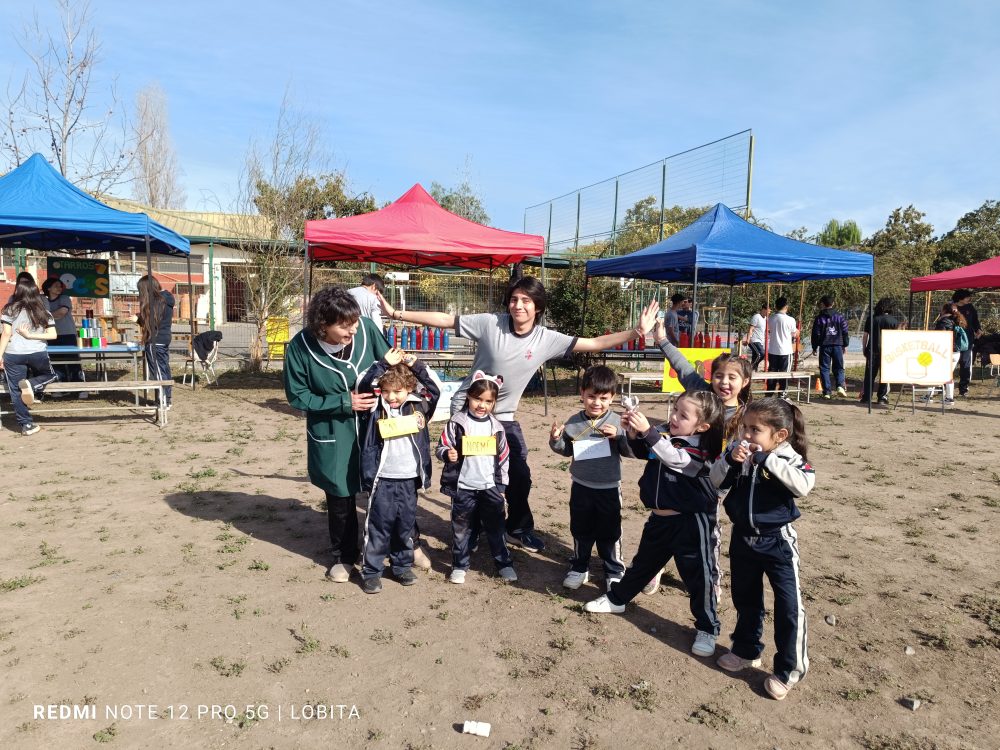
(452, 455)
(744, 450)
(609, 430)
(393, 357)
(660, 330)
(637, 422)
(409, 359)
(556, 432)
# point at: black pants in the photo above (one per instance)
(777, 363)
(472, 510)
(872, 365)
(71, 372)
(342, 518)
(756, 354)
(392, 510)
(158, 363)
(33, 367)
(687, 538)
(964, 370)
(751, 558)
(595, 517)
(519, 518)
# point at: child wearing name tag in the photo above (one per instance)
(677, 488)
(596, 441)
(474, 449)
(395, 463)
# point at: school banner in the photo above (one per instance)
(917, 357)
(702, 361)
(82, 277)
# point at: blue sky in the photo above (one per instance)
(856, 107)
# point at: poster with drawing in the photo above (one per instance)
(701, 360)
(921, 358)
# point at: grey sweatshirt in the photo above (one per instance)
(597, 473)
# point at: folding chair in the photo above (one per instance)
(207, 364)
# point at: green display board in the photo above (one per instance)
(82, 277)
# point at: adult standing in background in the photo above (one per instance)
(366, 296)
(755, 336)
(156, 316)
(672, 321)
(963, 299)
(831, 337)
(688, 319)
(323, 363)
(885, 319)
(780, 346)
(514, 344)
(60, 305)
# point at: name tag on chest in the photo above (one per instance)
(398, 426)
(479, 446)
(587, 448)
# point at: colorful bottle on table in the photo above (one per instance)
(444, 339)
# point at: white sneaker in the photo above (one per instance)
(508, 574)
(841, 391)
(704, 644)
(604, 606)
(733, 663)
(339, 573)
(574, 580)
(457, 576)
(654, 584)
(609, 582)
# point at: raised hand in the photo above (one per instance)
(388, 309)
(557, 430)
(637, 422)
(647, 318)
(394, 357)
(661, 330)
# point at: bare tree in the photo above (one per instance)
(54, 111)
(154, 170)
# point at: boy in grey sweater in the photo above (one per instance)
(596, 441)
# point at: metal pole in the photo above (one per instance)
(548, 236)
(194, 373)
(694, 301)
(749, 176)
(663, 198)
(909, 312)
(871, 340)
(614, 220)
(586, 292)
(729, 329)
(576, 239)
(211, 284)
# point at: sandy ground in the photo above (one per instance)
(183, 568)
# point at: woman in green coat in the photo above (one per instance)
(323, 364)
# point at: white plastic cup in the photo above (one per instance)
(478, 728)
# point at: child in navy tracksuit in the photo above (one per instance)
(676, 487)
(765, 472)
(474, 448)
(395, 463)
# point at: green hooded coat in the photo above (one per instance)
(321, 386)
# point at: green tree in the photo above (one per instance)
(607, 303)
(835, 234)
(640, 226)
(903, 249)
(975, 238)
(463, 201)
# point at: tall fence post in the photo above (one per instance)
(663, 197)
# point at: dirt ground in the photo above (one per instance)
(183, 568)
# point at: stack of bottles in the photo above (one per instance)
(420, 338)
(701, 341)
(92, 335)
(632, 345)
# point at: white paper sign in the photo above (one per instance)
(587, 448)
(917, 357)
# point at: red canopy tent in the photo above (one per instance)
(982, 275)
(416, 231)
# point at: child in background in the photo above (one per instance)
(765, 472)
(595, 499)
(951, 319)
(474, 448)
(676, 487)
(731, 383)
(395, 463)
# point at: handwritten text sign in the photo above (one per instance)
(398, 426)
(479, 446)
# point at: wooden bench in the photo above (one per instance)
(794, 379)
(158, 407)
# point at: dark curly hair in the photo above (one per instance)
(329, 306)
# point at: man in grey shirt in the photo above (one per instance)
(367, 297)
(514, 344)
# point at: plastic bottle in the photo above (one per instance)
(718, 341)
(437, 339)
(392, 336)
(427, 338)
(444, 339)
(685, 341)
(697, 341)
(404, 338)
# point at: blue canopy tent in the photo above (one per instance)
(40, 209)
(722, 248)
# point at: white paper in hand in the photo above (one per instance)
(587, 448)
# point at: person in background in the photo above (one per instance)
(156, 313)
(366, 295)
(671, 319)
(885, 319)
(781, 345)
(60, 305)
(755, 336)
(963, 298)
(23, 276)
(25, 326)
(831, 337)
(951, 320)
(688, 319)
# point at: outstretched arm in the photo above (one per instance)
(646, 320)
(434, 319)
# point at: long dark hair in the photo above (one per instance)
(27, 299)
(885, 306)
(151, 306)
(779, 414)
(744, 397)
(950, 308)
(711, 410)
(533, 288)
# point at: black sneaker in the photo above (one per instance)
(407, 577)
(30, 429)
(371, 585)
(527, 540)
(884, 400)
